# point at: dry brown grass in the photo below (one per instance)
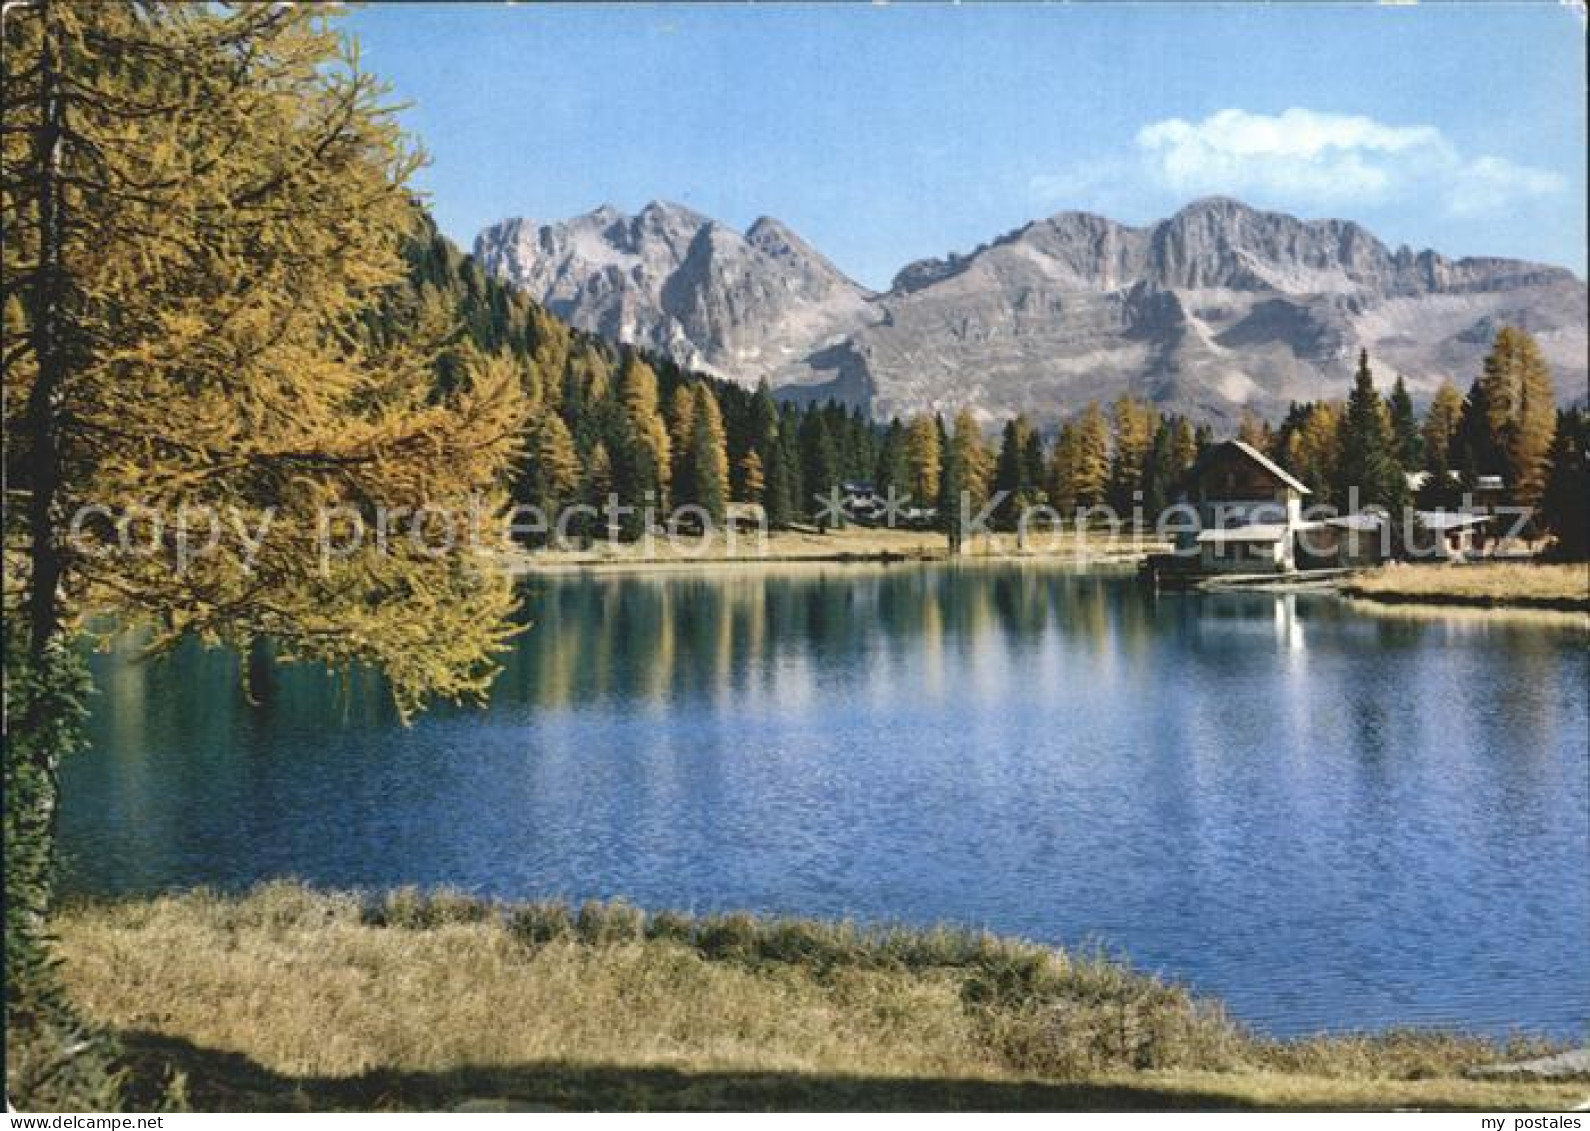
(289, 996)
(1524, 584)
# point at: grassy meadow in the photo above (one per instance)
(289, 998)
(1520, 584)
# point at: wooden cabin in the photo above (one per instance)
(1249, 512)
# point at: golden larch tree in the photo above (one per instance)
(203, 207)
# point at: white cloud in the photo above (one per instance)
(1489, 184)
(1299, 152)
(1307, 158)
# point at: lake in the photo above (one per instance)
(1329, 818)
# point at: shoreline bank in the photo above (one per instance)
(425, 1000)
(1467, 587)
(852, 546)
(1466, 602)
(1483, 585)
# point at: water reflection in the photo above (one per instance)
(1329, 818)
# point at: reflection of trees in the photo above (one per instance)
(213, 697)
(1226, 667)
(673, 636)
(657, 638)
(1082, 610)
(1021, 601)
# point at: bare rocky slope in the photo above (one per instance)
(1219, 307)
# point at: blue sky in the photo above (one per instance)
(887, 133)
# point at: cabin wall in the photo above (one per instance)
(1244, 557)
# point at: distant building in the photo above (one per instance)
(1450, 534)
(1372, 537)
(1490, 491)
(861, 502)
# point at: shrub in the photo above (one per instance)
(605, 923)
(671, 926)
(536, 924)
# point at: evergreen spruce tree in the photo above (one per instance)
(1064, 461)
(1013, 471)
(1291, 424)
(789, 442)
(780, 492)
(892, 468)
(861, 447)
(1407, 440)
(952, 482)
(552, 470)
(1035, 460)
(1474, 450)
(1185, 444)
(1565, 503)
(819, 456)
(763, 414)
(1368, 459)
(1160, 471)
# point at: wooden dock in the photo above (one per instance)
(1166, 573)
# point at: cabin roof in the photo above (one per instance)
(1272, 467)
(1361, 520)
(1373, 519)
(1269, 465)
(1417, 479)
(1255, 532)
(1451, 520)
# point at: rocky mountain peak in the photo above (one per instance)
(774, 236)
(1216, 308)
(682, 283)
(664, 214)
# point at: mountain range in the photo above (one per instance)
(1221, 307)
